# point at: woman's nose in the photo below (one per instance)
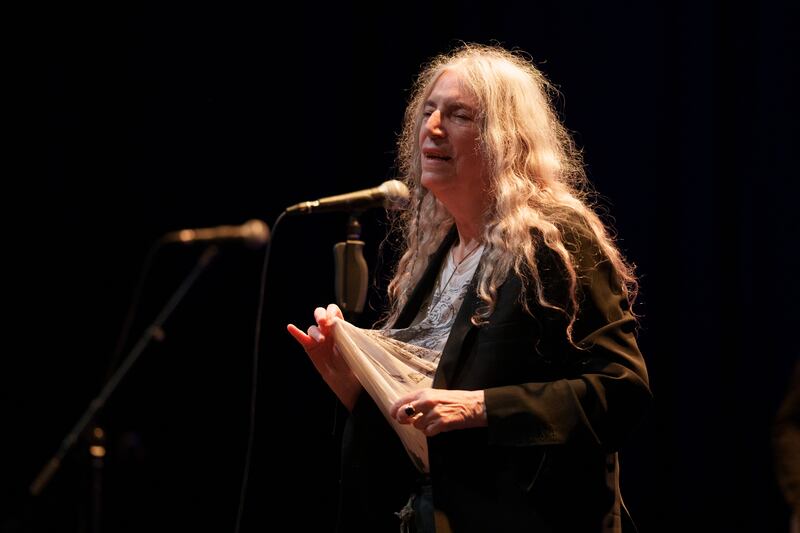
(434, 124)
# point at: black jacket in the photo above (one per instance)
(557, 414)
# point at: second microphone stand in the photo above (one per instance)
(154, 331)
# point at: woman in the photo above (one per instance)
(539, 377)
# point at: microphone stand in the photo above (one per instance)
(154, 331)
(350, 282)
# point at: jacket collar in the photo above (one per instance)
(426, 282)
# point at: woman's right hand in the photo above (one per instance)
(318, 344)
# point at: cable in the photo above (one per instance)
(254, 383)
(628, 514)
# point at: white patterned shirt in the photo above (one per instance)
(431, 327)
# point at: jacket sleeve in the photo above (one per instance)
(601, 390)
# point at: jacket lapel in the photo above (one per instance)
(426, 282)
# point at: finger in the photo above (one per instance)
(396, 407)
(403, 401)
(405, 413)
(316, 335)
(334, 311)
(304, 340)
(426, 416)
(321, 316)
(432, 429)
(428, 423)
(422, 421)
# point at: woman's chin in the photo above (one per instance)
(434, 181)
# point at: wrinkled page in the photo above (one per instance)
(388, 368)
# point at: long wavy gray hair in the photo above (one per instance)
(537, 182)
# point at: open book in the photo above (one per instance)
(388, 368)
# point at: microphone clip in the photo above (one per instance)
(351, 271)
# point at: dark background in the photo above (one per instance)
(145, 120)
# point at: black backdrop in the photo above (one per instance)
(147, 120)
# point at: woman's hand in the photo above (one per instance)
(433, 411)
(318, 344)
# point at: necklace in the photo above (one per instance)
(456, 265)
(453, 255)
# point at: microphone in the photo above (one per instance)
(392, 194)
(254, 233)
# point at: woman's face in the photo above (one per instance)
(452, 162)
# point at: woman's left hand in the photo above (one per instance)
(433, 411)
